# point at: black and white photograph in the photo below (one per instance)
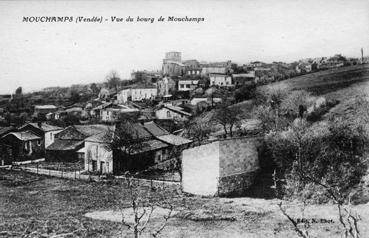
(184, 118)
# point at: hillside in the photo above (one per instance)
(328, 81)
(342, 84)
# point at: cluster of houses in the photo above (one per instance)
(90, 145)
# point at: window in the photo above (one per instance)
(97, 151)
(188, 86)
(168, 114)
(181, 86)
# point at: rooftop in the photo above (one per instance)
(42, 126)
(24, 135)
(65, 145)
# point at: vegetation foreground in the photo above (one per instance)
(40, 206)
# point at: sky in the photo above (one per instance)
(39, 55)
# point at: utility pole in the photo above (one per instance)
(362, 55)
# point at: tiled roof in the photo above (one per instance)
(150, 145)
(44, 127)
(65, 145)
(174, 140)
(154, 129)
(24, 135)
(178, 110)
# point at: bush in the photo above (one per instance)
(334, 158)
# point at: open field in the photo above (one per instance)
(327, 81)
(39, 206)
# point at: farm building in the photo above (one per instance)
(223, 167)
(45, 131)
(23, 145)
(69, 143)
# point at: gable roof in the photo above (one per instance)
(154, 129)
(174, 140)
(177, 110)
(43, 127)
(81, 132)
(65, 145)
(150, 145)
(24, 135)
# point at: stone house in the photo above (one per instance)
(240, 80)
(154, 147)
(221, 80)
(166, 86)
(22, 145)
(46, 131)
(168, 112)
(69, 143)
(112, 112)
(137, 93)
(187, 84)
(44, 109)
(223, 167)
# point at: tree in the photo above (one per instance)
(198, 131)
(113, 80)
(74, 96)
(246, 92)
(228, 116)
(18, 91)
(94, 88)
(143, 205)
(329, 162)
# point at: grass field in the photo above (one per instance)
(36, 206)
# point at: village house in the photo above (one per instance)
(44, 109)
(221, 80)
(187, 84)
(166, 86)
(20, 146)
(69, 144)
(111, 113)
(216, 68)
(167, 112)
(137, 93)
(244, 79)
(208, 99)
(155, 145)
(46, 131)
(223, 167)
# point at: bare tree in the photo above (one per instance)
(113, 80)
(143, 205)
(228, 117)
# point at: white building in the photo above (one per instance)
(221, 80)
(223, 167)
(137, 93)
(187, 84)
(98, 157)
(172, 113)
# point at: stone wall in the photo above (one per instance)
(239, 164)
(236, 185)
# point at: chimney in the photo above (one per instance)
(39, 123)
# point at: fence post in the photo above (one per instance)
(49, 172)
(62, 172)
(37, 168)
(75, 174)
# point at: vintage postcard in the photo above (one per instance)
(184, 118)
